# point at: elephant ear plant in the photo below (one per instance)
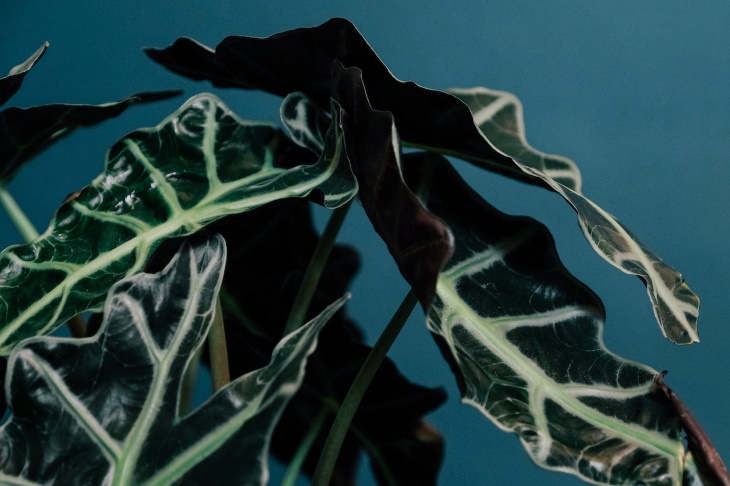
(199, 229)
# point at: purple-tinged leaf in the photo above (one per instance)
(487, 133)
(419, 241)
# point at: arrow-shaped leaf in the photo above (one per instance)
(25, 132)
(525, 340)
(10, 84)
(198, 165)
(303, 59)
(104, 409)
(499, 116)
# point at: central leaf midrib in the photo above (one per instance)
(506, 351)
(197, 214)
(91, 267)
(210, 442)
(660, 286)
(78, 410)
(135, 440)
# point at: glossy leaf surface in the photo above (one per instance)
(113, 425)
(25, 132)
(499, 116)
(198, 165)
(10, 84)
(525, 340)
(488, 132)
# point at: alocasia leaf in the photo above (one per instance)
(105, 409)
(201, 163)
(303, 59)
(499, 117)
(25, 132)
(264, 271)
(10, 84)
(525, 339)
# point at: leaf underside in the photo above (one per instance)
(524, 338)
(475, 125)
(419, 241)
(113, 425)
(198, 165)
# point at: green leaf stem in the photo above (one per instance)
(201, 163)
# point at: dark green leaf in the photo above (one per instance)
(25, 132)
(524, 337)
(198, 165)
(302, 60)
(10, 84)
(111, 401)
(487, 133)
(499, 116)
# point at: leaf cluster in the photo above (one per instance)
(205, 219)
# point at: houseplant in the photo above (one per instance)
(495, 293)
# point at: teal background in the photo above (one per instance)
(635, 92)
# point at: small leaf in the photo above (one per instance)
(524, 338)
(10, 84)
(25, 132)
(110, 425)
(198, 165)
(488, 133)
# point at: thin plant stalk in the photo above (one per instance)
(77, 326)
(331, 449)
(295, 466)
(17, 216)
(188, 384)
(219, 370)
(298, 312)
